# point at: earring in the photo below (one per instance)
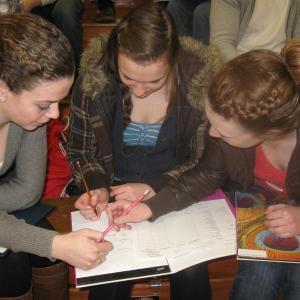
(3, 98)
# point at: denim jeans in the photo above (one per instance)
(259, 280)
(66, 15)
(191, 18)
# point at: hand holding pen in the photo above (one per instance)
(123, 212)
(93, 202)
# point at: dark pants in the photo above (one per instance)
(104, 4)
(15, 270)
(191, 18)
(191, 283)
(188, 284)
(66, 15)
(111, 291)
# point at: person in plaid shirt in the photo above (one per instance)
(137, 119)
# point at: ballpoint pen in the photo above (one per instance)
(125, 212)
(85, 185)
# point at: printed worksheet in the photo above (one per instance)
(122, 262)
(201, 227)
(178, 240)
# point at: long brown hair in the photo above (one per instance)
(260, 89)
(32, 49)
(146, 34)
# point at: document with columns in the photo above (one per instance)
(178, 240)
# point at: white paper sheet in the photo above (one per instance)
(201, 232)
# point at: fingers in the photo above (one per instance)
(92, 207)
(101, 260)
(95, 236)
(91, 263)
(279, 219)
(96, 210)
(94, 199)
(130, 191)
(275, 220)
(89, 214)
(122, 196)
(118, 189)
(83, 202)
(279, 212)
(123, 220)
(118, 206)
(102, 200)
(120, 192)
(105, 246)
(124, 226)
(86, 253)
(275, 208)
(140, 212)
(282, 231)
(127, 191)
(286, 235)
(109, 213)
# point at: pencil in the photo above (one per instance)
(85, 185)
(125, 212)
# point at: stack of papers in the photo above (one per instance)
(178, 240)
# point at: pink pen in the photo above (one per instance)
(124, 213)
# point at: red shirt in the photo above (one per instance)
(266, 175)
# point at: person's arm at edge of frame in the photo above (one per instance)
(18, 236)
(224, 27)
(295, 34)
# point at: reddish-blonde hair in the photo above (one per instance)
(260, 90)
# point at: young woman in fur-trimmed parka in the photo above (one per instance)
(137, 118)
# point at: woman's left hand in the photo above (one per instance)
(139, 213)
(283, 220)
(130, 191)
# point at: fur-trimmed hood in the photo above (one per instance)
(94, 79)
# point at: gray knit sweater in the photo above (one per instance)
(230, 18)
(22, 179)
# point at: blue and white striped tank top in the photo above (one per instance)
(141, 134)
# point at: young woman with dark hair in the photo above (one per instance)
(253, 108)
(137, 117)
(36, 72)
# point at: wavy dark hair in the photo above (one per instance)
(31, 50)
(260, 89)
(146, 34)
